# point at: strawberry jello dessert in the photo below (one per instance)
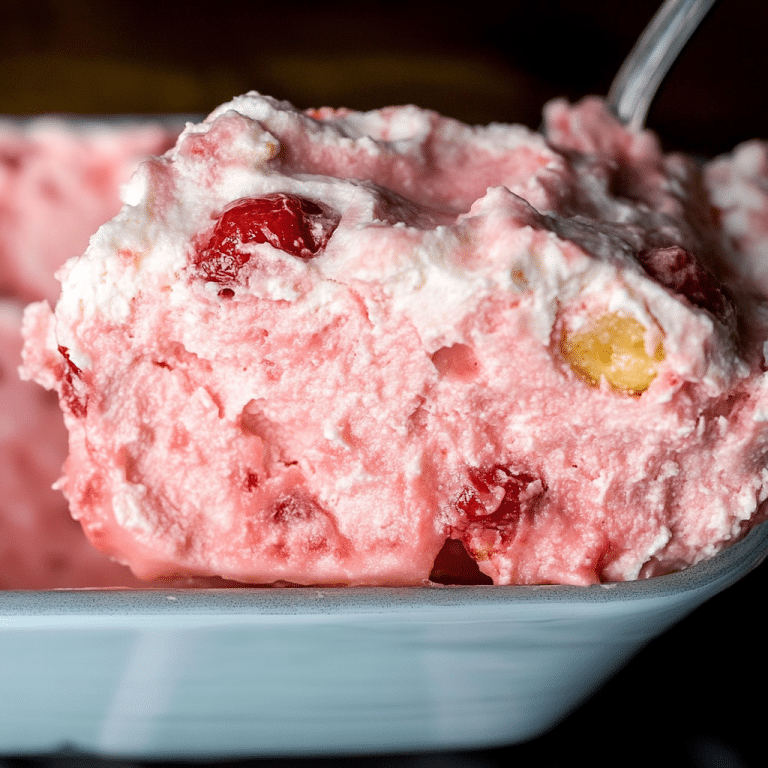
(332, 347)
(738, 188)
(41, 546)
(59, 180)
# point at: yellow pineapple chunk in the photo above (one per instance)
(612, 346)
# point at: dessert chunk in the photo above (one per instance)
(332, 347)
(41, 546)
(58, 183)
(59, 180)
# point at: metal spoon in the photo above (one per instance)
(647, 64)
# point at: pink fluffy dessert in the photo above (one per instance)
(738, 187)
(58, 182)
(327, 347)
(41, 546)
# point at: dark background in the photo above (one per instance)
(479, 61)
(696, 696)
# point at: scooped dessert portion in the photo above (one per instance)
(59, 180)
(737, 184)
(328, 347)
(41, 546)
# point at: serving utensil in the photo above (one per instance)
(639, 77)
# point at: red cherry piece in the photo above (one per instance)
(72, 386)
(289, 223)
(514, 489)
(300, 523)
(251, 481)
(293, 509)
(680, 271)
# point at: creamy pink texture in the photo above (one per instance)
(41, 546)
(314, 347)
(738, 187)
(58, 182)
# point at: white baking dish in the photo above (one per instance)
(299, 671)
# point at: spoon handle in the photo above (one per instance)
(640, 76)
